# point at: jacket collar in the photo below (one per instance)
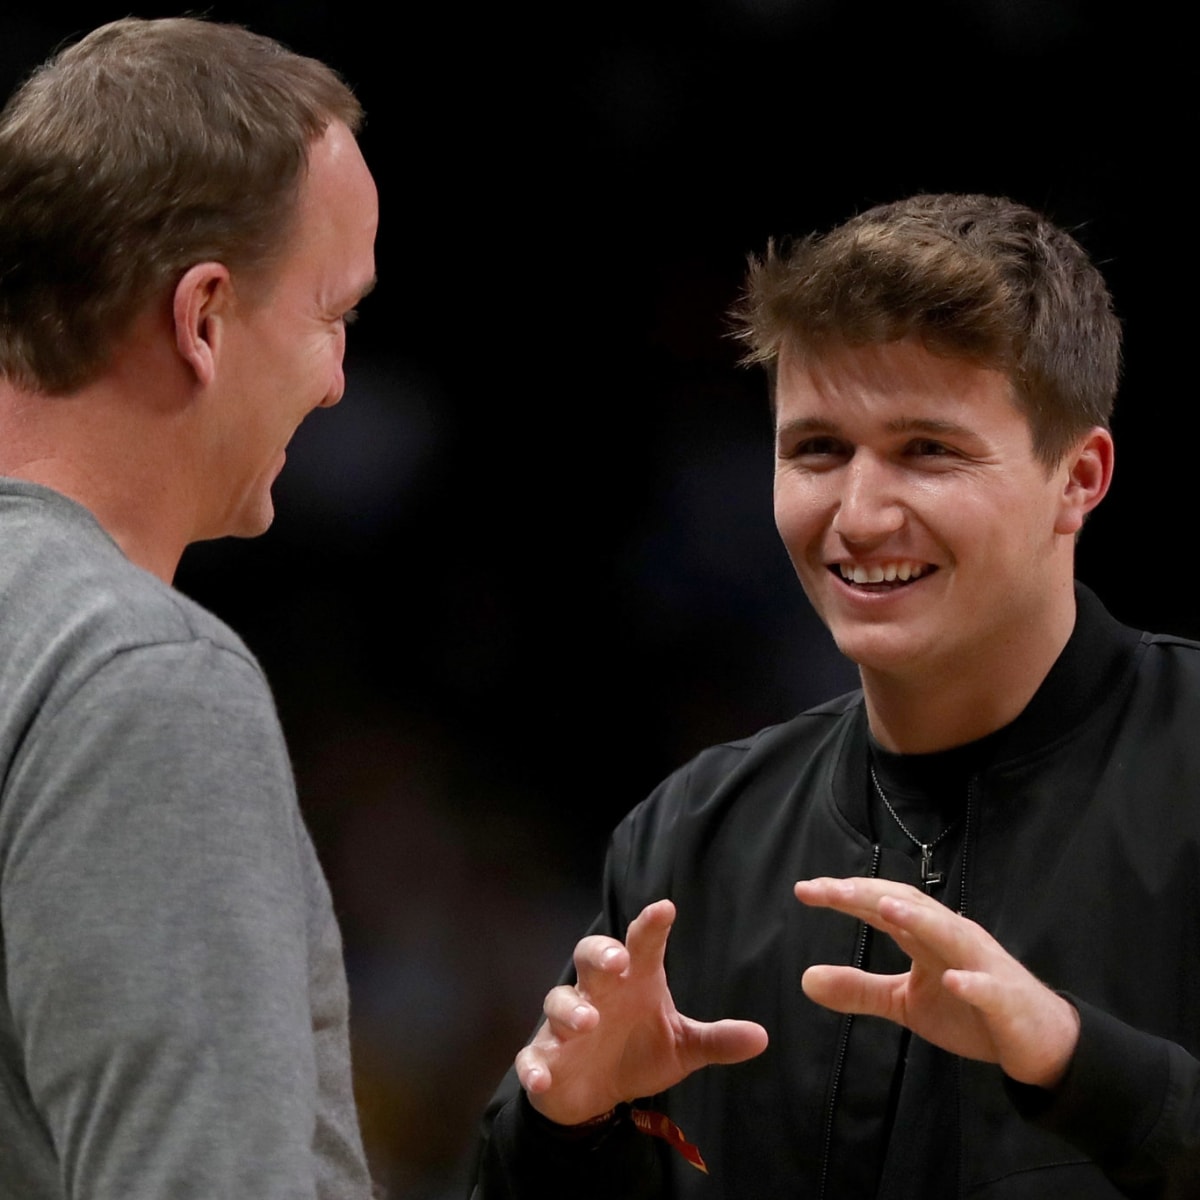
(1094, 667)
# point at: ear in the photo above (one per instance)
(1089, 468)
(202, 297)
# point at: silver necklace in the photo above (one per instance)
(929, 877)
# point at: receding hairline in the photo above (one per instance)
(212, 128)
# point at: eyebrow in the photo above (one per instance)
(803, 425)
(928, 425)
(350, 301)
(809, 425)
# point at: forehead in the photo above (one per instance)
(890, 382)
(331, 242)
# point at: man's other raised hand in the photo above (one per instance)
(616, 1035)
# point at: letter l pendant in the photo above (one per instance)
(929, 877)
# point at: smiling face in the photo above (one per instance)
(931, 541)
(283, 340)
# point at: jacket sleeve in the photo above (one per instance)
(156, 897)
(523, 1156)
(1131, 1102)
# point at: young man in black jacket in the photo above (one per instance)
(1002, 810)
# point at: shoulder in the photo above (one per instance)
(1161, 707)
(1170, 643)
(91, 641)
(797, 738)
(1170, 662)
(1134, 671)
(71, 597)
(777, 761)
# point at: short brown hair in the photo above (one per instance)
(974, 277)
(146, 147)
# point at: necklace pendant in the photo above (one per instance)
(929, 877)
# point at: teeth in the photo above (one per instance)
(903, 569)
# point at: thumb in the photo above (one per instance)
(849, 990)
(724, 1041)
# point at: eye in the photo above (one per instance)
(928, 448)
(816, 449)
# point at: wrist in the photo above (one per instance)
(605, 1118)
(1060, 1049)
(576, 1131)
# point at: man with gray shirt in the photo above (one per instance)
(186, 222)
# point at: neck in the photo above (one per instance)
(921, 714)
(109, 452)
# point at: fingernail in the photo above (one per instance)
(608, 956)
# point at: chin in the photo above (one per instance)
(252, 520)
(882, 655)
(256, 528)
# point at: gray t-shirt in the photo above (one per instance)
(173, 1009)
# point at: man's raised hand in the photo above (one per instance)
(964, 991)
(616, 1034)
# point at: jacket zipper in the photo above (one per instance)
(860, 954)
(968, 825)
(860, 957)
(968, 828)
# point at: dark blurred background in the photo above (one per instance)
(528, 566)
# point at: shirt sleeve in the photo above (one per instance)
(153, 894)
(1130, 1101)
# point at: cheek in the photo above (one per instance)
(798, 515)
(333, 352)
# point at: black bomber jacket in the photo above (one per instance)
(1080, 853)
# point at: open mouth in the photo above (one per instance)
(880, 577)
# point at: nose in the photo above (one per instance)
(337, 388)
(337, 379)
(869, 509)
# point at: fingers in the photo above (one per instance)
(600, 961)
(602, 965)
(920, 924)
(568, 1012)
(615, 1032)
(568, 1015)
(532, 1071)
(965, 992)
(857, 897)
(646, 938)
